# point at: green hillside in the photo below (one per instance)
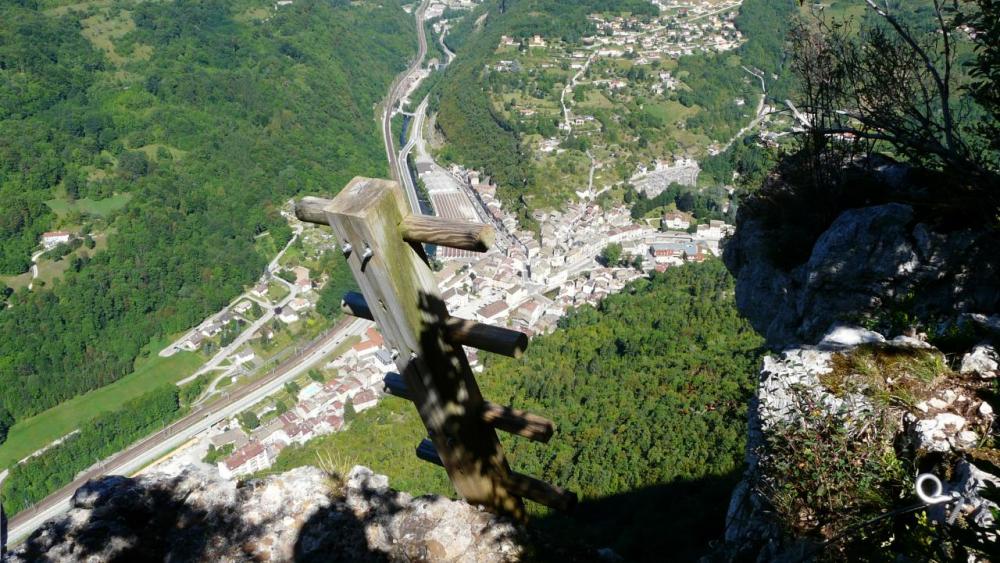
(198, 119)
(493, 118)
(649, 392)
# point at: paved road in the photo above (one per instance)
(396, 92)
(416, 127)
(153, 447)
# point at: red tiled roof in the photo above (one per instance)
(364, 397)
(493, 309)
(334, 421)
(244, 454)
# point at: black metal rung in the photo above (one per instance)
(427, 452)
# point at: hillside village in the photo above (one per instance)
(561, 95)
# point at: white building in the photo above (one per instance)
(53, 239)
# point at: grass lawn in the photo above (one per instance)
(17, 281)
(34, 433)
(49, 270)
(671, 111)
(276, 291)
(838, 9)
(265, 245)
(153, 151)
(99, 207)
(595, 100)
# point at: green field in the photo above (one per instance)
(33, 433)
(838, 9)
(99, 207)
(671, 111)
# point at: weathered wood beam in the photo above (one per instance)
(519, 422)
(477, 237)
(313, 210)
(402, 294)
(508, 419)
(541, 492)
(481, 336)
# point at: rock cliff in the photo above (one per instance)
(301, 515)
(844, 419)
(876, 260)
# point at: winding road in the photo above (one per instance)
(397, 91)
(200, 419)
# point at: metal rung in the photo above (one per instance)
(396, 386)
(507, 419)
(427, 452)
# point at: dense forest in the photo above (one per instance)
(106, 434)
(649, 392)
(209, 114)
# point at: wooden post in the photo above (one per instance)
(402, 296)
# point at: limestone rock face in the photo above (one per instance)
(301, 515)
(982, 360)
(868, 258)
(951, 420)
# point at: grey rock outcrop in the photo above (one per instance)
(868, 258)
(950, 420)
(301, 515)
(983, 360)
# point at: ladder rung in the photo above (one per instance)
(395, 385)
(519, 422)
(486, 337)
(541, 492)
(477, 237)
(312, 210)
(464, 332)
(508, 419)
(427, 452)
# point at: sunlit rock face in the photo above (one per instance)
(940, 428)
(300, 515)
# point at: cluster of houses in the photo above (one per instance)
(437, 8)
(287, 312)
(683, 28)
(528, 283)
(319, 409)
(214, 325)
(653, 180)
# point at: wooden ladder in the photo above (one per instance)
(382, 242)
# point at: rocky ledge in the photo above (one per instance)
(301, 515)
(872, 261)
(838, 433)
